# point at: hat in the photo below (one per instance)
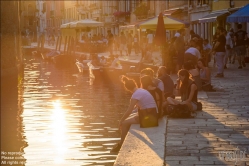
(177, 34)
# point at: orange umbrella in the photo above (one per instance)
(160, 37)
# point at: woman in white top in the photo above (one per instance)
(229, 47)
(140, 98)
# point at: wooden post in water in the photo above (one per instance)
(60, 43)
(72, 46)
(65, 45)
(57, 42)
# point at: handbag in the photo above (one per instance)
(148, 117)
(179, 111)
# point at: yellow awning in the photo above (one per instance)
(169, 24)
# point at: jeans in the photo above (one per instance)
(219, 57)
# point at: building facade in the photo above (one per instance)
(28, 20)
(54, 16)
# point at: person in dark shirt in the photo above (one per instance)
(240, 45)
(219, 51)
(193, 35)
(110, 41)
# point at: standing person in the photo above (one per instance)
(207, 49)
(140, 98)
(180, 48)
(229, 47)
(219, 51)
(193, 35)
(110, 41)
(129, 43)
(240, 45)
(232, 56)
(136, 45)
(150, 39)
(123, 44)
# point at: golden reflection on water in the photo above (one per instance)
(59, 129)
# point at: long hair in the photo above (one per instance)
(146, 81)
(148, 71)
(129, 84)
(184, 83)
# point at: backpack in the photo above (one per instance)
(179, 111)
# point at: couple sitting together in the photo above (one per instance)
(151, 97)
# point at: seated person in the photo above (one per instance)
(195, 75)
(141, 99)
(167, 81)
(149, 72)
(95, 60)
(187, 89)
(115, 62)
(103, 60)
(205, 75)
(146, 83)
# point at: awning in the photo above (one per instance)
(132, 25)
(172, 11)
(170, 24)
(64, 26)
(212, 17)
(241, 15)
(86, 23)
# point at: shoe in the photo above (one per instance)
(219, 75)
(116, 148)
(240, 67)
(243, 64)
(225, 67)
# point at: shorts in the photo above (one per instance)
(194, 106)
(240, 50)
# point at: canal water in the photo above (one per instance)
(67, 119)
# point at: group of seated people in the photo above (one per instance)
(155, 94)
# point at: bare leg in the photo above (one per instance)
(172, 101)
(126, 126)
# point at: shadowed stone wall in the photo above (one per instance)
(11, 75)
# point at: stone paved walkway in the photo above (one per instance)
(219, 134)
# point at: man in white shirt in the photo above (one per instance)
(150, 38)
(229, 47)
(192, 53)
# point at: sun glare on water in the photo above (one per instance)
(59, 132)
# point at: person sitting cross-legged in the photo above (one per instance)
(187, 89)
